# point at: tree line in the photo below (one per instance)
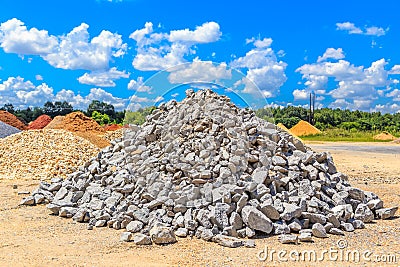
(325, 118)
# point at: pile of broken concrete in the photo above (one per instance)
(205, 168)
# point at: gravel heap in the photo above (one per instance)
(6, 130)
(205, 168)
(12, 120)
(41, 122)
(43, 154)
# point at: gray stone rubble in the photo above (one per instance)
(205, 168)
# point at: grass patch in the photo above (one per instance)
(340, 135)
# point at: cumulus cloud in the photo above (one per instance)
(300, 94)
(138, 85)
(207, 33)
(72, 51)
(356, 86)
(263, 71)
(331, 53)
(350, 28)
(199, 71)
(387, 108)
(103, 78)
(159, 51)
(395, 69)
(23, 93)
(38, 77)
(16, 38)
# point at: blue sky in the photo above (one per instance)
(347, 52)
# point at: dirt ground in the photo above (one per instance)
(29, 236)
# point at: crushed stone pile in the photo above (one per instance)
(43, 154)
(205, 168)
(6, 130)
(303, 128)
(41, 122)
(384, 136)
(11, 120)
(82, 126)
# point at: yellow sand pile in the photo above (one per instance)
(304, 128)
(384, 136)
(283, 127)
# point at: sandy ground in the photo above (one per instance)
(29, 236)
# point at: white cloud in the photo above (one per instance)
(199, 71)
(375, 31)
(207, 33)
(395, 69)
(72, 51)
(75, 51)
(38, 77)
(16, 38)
(300, 94)
(21, 94)
(103, 78)
(82, 102)
(263, 71)
(350, 28)
(387, 108)
(395, 95)
(356, 86)
(331, 53)
(159, 51)
(139, 86)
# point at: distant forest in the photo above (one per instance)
(325, 118)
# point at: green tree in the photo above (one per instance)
(101, 119)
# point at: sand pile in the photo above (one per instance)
(82, 126)
(384, 136)
(12, 120)
(283, 127)
(56, 123)
(41, 122)
(43, 154)
(304, 128)
(76, 122)
(112, 127)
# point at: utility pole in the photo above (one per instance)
(312, 107)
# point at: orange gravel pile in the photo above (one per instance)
(82, 126)
(304, 128)
(12, 120)
(41, 122)
(78, 122)
(384, 136)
